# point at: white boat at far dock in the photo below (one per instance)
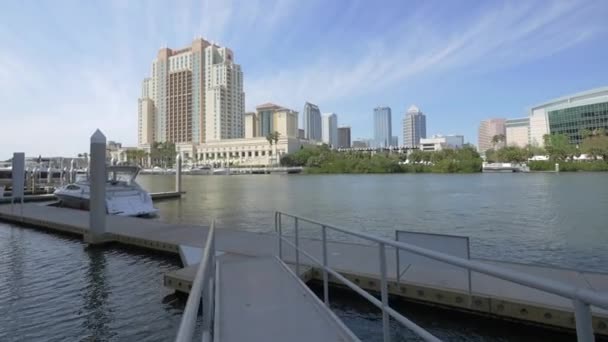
(504, 167)
(124, 197)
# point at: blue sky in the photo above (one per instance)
(69, 67)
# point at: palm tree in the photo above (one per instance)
(273, 137)
(497, 139)
(270, 138)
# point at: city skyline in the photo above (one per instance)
(449, 64)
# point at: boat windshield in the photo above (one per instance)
(122, 174)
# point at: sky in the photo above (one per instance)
(70, 67)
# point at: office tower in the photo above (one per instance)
(344, 137)
(311, 122)
(330, 129)
(414, 127)
(382, 127)
(194, 94)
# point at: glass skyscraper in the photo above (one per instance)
(311, 122)
(382, 127)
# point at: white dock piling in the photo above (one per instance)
(97, 202)
(33, 179)
(72, 176)
(64, 175)
(49, 175)
(178, 173)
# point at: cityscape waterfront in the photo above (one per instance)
(303, 171)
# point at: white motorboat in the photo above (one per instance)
(124, 197)
(200, 170)
(221, 171)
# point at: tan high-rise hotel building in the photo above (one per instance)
(194, 95)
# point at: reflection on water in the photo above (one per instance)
(95, 295)
(555, 219)
(54, 288)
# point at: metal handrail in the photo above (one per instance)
(201, 291)
(582, 298)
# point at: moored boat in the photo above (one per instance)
(124, 197)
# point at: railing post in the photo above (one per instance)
(397, 262)
(325, 275)
(584, 324)
(297, 247)
(280, 237)
(384, 294)
(206, 295)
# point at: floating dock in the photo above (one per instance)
(267, 301)
(50, 197)
(358, 263)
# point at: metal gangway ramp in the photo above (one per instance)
(255, 299)
(262, 299)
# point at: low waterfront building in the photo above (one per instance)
(440, 142)
(517, 132)
(394, 141)
(569, 115)
(240, 152)
(361, 143)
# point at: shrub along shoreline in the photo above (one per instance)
(322, 160)
(568, 166)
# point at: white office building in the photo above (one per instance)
(517, 132)
(570, 115)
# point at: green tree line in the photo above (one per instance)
(558, 147)
(321, 159)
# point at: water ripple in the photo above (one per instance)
(54, 288)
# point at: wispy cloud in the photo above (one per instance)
(495, 37)
(65, 70)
